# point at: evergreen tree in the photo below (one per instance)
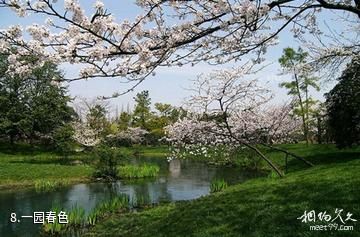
(343, 105)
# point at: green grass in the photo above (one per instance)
(23, 165)
(78, 221)
(150, 151)
(49, 185)
(138, 171)
(263, 207)
(218, 185)
(24, 174)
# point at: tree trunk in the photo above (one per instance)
(272, 165)
(290, 153)
(319, 130)
(306, 135)
(12, 139)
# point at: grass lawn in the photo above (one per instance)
(263, 207)
(22, 165)
(18, 169)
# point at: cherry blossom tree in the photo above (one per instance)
(132, 135)
(205, 31)
(91, 125)
(231, 109)
(85, 135)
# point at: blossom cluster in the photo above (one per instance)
(135, 135)
(230, 111)
(205, 31)
(135, 48)
(85, 135)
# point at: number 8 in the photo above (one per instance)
(13, 217)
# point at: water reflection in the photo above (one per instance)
(178, 180)
(175, 168)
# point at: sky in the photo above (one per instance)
(169, 85)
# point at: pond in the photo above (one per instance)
(178, 180)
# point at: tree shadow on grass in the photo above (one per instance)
(323, 159)
(48, 161)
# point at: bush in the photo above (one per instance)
(106, 162)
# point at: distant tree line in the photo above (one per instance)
(35, 108)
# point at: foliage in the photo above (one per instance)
(33, 106)
(76, 217)
(294, 63)
(143, 126)
(142, 112)
(63, 139)
(138, 171)
(96, 119)
(54, 228)
(105, 164)
(124, 120)
(44, 185)
(218, 185)
(343, 105)
(110, 206)
(79, 221)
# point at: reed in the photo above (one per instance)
(77, 217)
(135, 172)
(218, 185)
(44, 185)
(54, 229)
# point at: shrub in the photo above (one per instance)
(106, 162)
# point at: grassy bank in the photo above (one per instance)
(23, 166)
(262, 207)
(24, 170)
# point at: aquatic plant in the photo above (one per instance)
(142, 171)
(79, 221)
(218, 185)
(77, 217)
(113, 205)
(92, 218)
(106, 207)
(140, 201)
(54, 228)
(49, 185)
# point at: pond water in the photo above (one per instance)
(178, 180)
